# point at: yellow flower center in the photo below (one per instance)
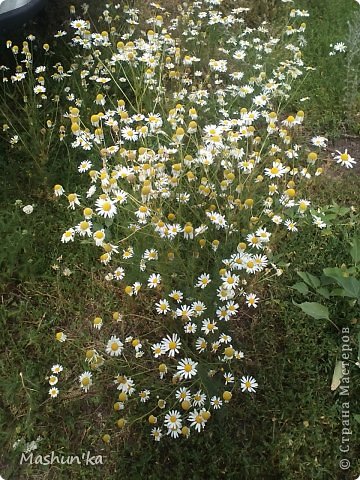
(229, 351)
(84, 225)
(185, 405)
(106, 206)
(227, 395)
(122, 396)
(88, 211)
(206, 415)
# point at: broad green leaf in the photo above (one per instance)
(330, 216)
(357, 417)
(309, 279)
(341, 211)
(350, 285)
(326, 280)
(324, 292)
(337, 292)
(355, 249)
(314, 309)
(337, 376)
(334, 272)
(301, 287)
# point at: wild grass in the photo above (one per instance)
(327, 87)
(290, 429)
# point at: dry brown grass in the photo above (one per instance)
(259, 9)
(146, 10)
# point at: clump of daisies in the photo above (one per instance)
(194, 171)
(54, 378)
(27, 447)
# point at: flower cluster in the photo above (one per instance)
(53, 380)
(194, 172)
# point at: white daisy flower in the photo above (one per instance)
(53, 392)
(84, 166)
(171, 344)
(154, 280)
(57, 368)
(85, 381)
(252, 300)
(216, 402)
(208, 326)
(197, 420)
(162, 307)
(105, 207)
(186, 368)
(114, 346)
(173, 420)
(157, 349)
(53, 380)
(68, 236)
(203, 280)
(344, 159)
(248, 384)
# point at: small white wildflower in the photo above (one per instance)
(28, 209)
